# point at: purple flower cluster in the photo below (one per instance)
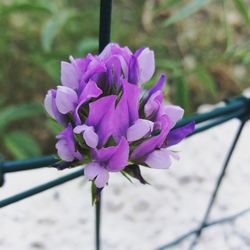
(109, 120)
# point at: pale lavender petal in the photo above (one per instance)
(124, 66)
(106, 51)
(102, 178)
(146, 63)
(66, 99)
(139, 129)
(175, 113)
(48, 103)
(80, 128)
(66, 145)
(159, 159)
(178, 134)
(50, 106)
(70, 75)
(95, 171)
(119, 159)
(154, 103)
(90, 137)
(64, 151)
(148, 146)
(80, 64)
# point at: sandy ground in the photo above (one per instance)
(137, 217)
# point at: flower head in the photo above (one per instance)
(107, 121)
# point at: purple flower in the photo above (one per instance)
(109, 119)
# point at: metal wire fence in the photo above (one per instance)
(237, 108)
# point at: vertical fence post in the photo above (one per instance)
(105, 23)
(104, 39)
(1, 176)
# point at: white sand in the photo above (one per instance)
(137, 217)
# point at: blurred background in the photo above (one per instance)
(203, 46)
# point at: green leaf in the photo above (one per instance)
(243, 8)
(186, 11)
(14, 113)
(206, 80)
(181, 93)
(54, 26)
(21, 145)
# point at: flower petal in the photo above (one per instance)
(148, 146)
(140, 128)
(159, 159)
(48, 103)
(66, 145)
(154, 104)
(95, 170)
(70, 76)
(66, 99)
(158, 86)
(90, 137)
(174, 113)
(101, 117)
(115, 158)
(178, 134)
(133, 70)
(119, 159)
(146, 63)
(80, 128)
(64, 151)
(91, 90)
(126, 112)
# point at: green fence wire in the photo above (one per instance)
(236, 108)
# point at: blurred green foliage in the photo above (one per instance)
(202, 45)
